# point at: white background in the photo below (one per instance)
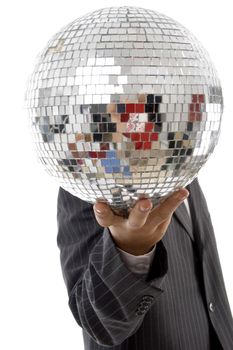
(33, 302)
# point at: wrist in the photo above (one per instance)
(131, 243)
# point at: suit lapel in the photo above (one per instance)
(184, 219)
(199, 213)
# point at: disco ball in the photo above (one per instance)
(124, 103)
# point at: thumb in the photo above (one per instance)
(165, 209)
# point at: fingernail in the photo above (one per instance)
(99, 210)
(145, 208)
(181, 196)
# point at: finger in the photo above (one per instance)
(139, 214)
(162, 228)
(165, 209)
(104, 215)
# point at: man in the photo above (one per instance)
(152, 281)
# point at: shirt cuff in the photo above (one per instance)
(139, 264)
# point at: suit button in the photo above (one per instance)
(144, 305)
(139, 312)
(211, 307)
(147, 298)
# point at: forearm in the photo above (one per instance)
(107, 303)
(105, 297)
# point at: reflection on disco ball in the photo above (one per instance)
(124, 103)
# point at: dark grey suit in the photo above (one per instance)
(182, 304)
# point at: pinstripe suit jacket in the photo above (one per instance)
(182, 302)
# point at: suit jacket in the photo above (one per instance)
(181, 304)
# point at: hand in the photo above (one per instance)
(144, 227)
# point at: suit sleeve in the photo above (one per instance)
(105, 297)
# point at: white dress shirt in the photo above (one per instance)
(140, 264)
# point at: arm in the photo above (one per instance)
(105, 297)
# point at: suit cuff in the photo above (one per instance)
(159, 265)
(127, 286)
